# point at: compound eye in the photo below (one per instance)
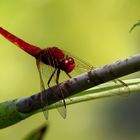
(71, 61)
(66, 61)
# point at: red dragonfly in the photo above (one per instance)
(56, 60)
(53, 57)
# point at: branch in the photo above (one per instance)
(16, 110)
(77, 84)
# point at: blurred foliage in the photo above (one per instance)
(135, 25)
(96, 30)
(38, 134)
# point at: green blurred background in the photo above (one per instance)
(96, 30)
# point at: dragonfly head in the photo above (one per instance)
(68, 64)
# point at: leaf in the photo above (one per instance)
(38, 134)
(135, 25)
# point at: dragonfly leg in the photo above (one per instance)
(57, 82)
(51, 77)
(69, 75)
(57, 76)
(61, 110)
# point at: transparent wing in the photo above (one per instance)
(55, 81)
(42, 88)
(83, 66)
(48, 78)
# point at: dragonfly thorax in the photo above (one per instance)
(57, 59)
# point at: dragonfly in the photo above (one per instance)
(56, 61)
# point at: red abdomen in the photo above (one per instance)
(30, 49)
